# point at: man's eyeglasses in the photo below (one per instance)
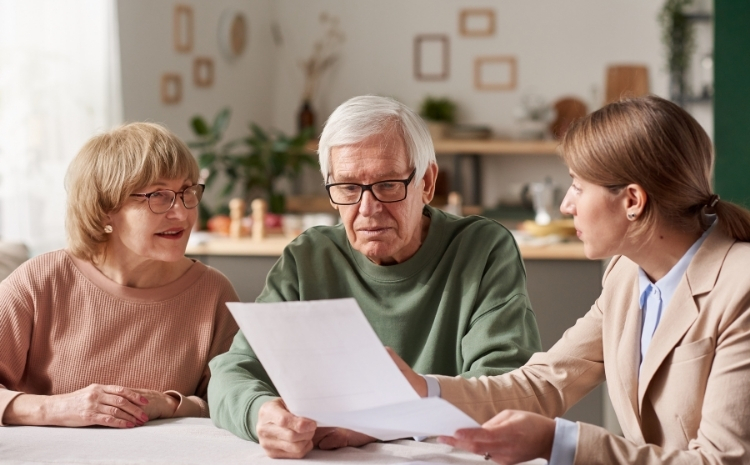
(162, 201)
(389, 191)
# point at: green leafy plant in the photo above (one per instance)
(252, 163)
(678, 34)
(438, 109)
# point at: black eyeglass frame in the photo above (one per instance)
(181, 193)
(368, 187)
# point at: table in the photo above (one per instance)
(195, 441)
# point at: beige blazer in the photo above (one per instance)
(691, 403)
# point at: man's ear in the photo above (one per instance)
(429, 179)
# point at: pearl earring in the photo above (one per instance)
(108, 229)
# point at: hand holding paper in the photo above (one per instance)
(329, 365)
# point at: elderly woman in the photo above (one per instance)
(117, 329)
(671, 330)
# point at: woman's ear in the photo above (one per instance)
(634, 200)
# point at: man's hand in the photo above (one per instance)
(511, 436)
(336, 438)
(416, 380)
(282, 434)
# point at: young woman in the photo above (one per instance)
(671, 330)
(119, 328)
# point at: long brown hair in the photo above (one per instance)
(656, 144)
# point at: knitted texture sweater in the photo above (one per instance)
(64, 326)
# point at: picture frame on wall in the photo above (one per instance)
(233, 33)
(495, 73)
(182, 28)
(203, 71)
(431, 57)
(171, 88)
(476, 22)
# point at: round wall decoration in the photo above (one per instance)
(233, 33)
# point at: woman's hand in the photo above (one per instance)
(511, 436)
(160, 405)
(416, 380)
(113, 406)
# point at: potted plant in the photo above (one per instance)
(438, 113)
(678, 35)
(253, 163)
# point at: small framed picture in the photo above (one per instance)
(183, 28)
(496, 73)
(431, 57)
(477, 22)
(203, 71)
(171, 88)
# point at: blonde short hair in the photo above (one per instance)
(110, 167)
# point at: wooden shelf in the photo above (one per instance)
(496, 147)
(484, 147)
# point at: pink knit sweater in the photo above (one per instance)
(64, 325)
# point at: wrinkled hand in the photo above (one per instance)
(115, 406)
(509, 437)
(416, 380)
(282, 434)
(159, 405)
(336, 438)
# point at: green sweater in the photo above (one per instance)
(457, 307)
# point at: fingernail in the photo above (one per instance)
(144, 417)
(129, 424)
(144, 400)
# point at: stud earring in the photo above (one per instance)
(108, 229)
(631, 216)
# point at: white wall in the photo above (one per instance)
(562, 47)
(147, 51)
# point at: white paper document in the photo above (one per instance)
(329, 365)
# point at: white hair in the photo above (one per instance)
(368, 115)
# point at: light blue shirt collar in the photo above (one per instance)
(668, 284)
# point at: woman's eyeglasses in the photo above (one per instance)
(162, 201)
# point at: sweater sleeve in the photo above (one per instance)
(239, 384)
(503, 332)
(224, 330)
(16, 327)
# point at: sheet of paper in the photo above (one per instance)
(325, 359)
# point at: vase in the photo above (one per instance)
(305, 117)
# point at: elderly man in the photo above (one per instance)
(447, 294)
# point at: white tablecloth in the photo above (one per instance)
(193, 441)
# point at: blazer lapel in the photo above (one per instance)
(682, 311)
(628, 357)
(675, 321)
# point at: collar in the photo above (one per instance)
(669, 282)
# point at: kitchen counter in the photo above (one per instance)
(272, 246)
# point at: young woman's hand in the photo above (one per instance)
(511, 436)
(104, 405)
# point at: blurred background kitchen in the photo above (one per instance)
(249, 83)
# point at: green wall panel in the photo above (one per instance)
(732, 99)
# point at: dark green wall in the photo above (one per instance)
(732, 99)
